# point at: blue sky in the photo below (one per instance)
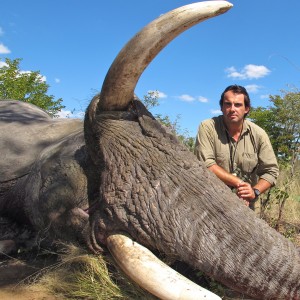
(72, 43)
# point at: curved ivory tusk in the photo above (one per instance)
(124, 73)
(144, 268)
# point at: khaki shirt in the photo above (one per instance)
(251, 158)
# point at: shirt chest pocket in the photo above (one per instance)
(222, 160)
(250, 161)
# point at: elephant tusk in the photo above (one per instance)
(124, 73)
(144, 268)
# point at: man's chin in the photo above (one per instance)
(233, 120)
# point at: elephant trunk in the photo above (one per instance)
(157, 191)
(238, 249)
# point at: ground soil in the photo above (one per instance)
(12, 293)
(23, 263)
(14, 277)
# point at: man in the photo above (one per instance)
(235, 149)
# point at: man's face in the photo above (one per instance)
(233, 108)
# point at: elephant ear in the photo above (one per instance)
(25, 131)
(150, 126)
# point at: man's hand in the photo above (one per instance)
(245, 191)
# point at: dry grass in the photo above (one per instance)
(292, 211)
(282, 207)
(79, 275)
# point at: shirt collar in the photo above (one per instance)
(246, 126)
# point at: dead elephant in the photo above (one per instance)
(122, 178)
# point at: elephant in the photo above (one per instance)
(118, 180)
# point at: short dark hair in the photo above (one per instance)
(237, 89)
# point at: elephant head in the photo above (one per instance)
(155, 190)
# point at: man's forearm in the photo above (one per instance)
(262, 185)
(226, 177)
(245, 190)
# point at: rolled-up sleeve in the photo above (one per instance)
(204, 146)
(267, 162)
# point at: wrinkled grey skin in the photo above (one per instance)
(122, 172)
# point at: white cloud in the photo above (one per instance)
(216, 112)
(266, 96)
(157, 94)
(162, 95)
(252, 88)
(4, 49)
(202, 99)
(57, 80)
(248, 72)
(43, 78)
(253, 71)
(64, 114)
(186, 98)
(40, 77)
(3, 64)
(70, 114)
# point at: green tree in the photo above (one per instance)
(281, 120)
(26, 86)
(151, 100)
